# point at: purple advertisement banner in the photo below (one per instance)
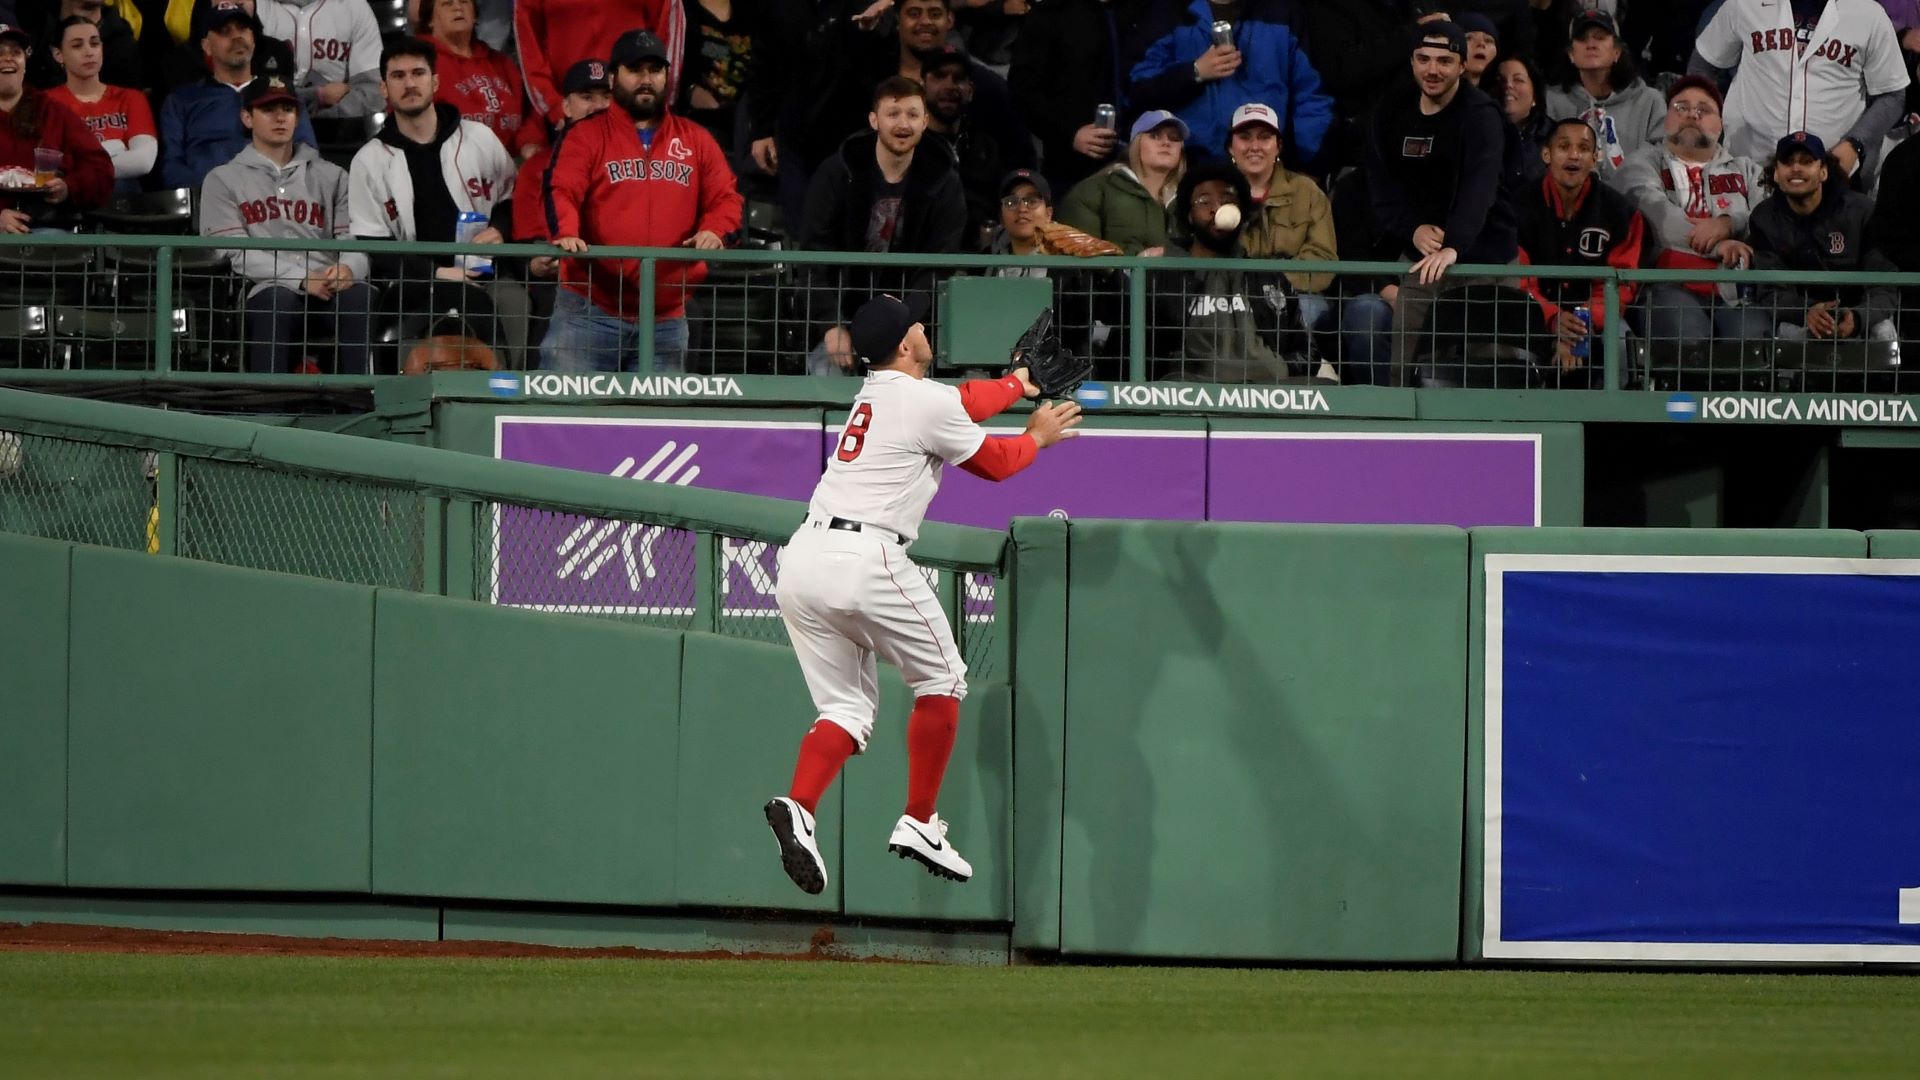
(1149, 475)
(1374, 478)
(571, 563)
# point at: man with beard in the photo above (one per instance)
(636, 176)
(982, 160)
(1438, 161)
(1225, 324)
(885, 190)
(1696, 198)
(200, 124)
(1568, 219)
(1813, 224)
(425, 168)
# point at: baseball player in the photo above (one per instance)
(1831, 70)
(848, 594)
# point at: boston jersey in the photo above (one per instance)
(885, 467)
(1784, 84)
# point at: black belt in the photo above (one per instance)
(846, 525)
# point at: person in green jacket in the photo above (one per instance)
(1128, 203)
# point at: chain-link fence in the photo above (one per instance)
(633, 565)
(336, 528)
(86, 492)
(122, 301)
(982, 645)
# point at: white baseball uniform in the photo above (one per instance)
(850, 595)
(1783, 84)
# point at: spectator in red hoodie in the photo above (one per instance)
(635, 176)
(482, 83)
(29, 120)
(553, 35)
(586, 87)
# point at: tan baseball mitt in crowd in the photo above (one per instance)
(1058, 239)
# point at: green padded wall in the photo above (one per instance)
(33, 710)
(743, 710)
(1264, 741)
(522, 756)
(976, 799)
(1893, 544)
(221, 727)
(1487, 541)
(1038, 626)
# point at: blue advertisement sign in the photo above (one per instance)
(1701, 759)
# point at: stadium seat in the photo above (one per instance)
(91, 338)
(167, 212)
(23, 337)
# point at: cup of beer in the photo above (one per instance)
(46, 166)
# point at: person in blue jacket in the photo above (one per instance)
(200, 125)
(1202, 83)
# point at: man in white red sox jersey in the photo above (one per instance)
(1828, 67)
(848, 593)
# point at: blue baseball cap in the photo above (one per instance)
(1157, 118)
(1797, 142)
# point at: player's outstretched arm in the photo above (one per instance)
(987, 398)
(1002, 456)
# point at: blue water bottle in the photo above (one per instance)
(470, 225)
(1584, 347)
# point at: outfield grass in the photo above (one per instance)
(266, 1016)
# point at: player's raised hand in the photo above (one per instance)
(1053, 421)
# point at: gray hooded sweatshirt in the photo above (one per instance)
(307, 200)
(1622, 122)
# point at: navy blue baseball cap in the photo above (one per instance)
(1440, 34)
(1798, 142)
(879, 327)
(585, 75)
(1472, 22)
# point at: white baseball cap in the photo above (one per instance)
(1254, 113)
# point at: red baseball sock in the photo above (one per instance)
(929, 744)
(825, 749)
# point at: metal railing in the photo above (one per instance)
(358, 510)
(169, 307)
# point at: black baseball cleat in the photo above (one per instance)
(799, 854)
(926, 841)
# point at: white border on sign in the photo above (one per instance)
(1492, 945)
(1534, 438)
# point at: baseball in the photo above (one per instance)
(1226, 217)
(10, 454)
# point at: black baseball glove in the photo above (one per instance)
(1051, 366)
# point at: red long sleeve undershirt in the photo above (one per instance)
(987, 398)
(1001, 455)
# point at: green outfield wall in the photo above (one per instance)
(1195, 740)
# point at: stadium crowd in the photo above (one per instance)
(1541, 134)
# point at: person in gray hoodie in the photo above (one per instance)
(1624, 112)
(1696, 198)
(276, 188)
